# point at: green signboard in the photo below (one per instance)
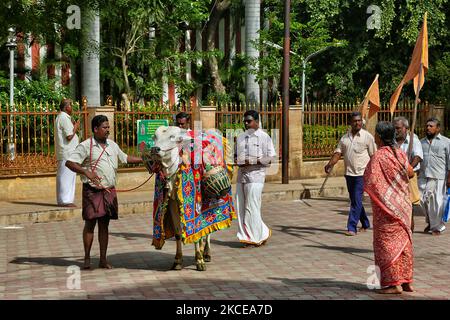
(145, 131)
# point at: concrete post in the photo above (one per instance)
(437, 111)
(295, 141)
(208, 117)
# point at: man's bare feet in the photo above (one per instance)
(87, 263)
(104, 265)
(350, 233)
(407, 287)
(390, 290)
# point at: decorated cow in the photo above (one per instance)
(192, 189)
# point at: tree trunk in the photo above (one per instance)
(125, 75)
(252, 27)
(90, 86)
(218, 12)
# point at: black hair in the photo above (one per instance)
(98, 120)
(182, 115)
(435, 120)
(355, 114)
(253, 113)
(386, 131)
(64, 103)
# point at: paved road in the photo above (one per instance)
(308, 257)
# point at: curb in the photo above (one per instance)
(141, 207)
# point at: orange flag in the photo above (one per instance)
(372, 97)
(417, 67)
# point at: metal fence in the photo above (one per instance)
(30, 128)
(231, 117)
(324, 124)
(125, 122)
(447, 121)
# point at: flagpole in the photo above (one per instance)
(416, 102)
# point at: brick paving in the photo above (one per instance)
(308, 257)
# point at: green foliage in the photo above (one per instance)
(36, 91)
(343, 74)
(440, 80)
(337, 74)
(323, 135)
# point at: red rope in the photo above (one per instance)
(95, 166)
(127, 190)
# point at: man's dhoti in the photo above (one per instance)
(65, 184)
(251, 228)
(432, 201)
(98, 203)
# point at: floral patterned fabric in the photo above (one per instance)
(386, 182)
(199, 216)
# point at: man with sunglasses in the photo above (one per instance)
(254, 152)
(182, 120)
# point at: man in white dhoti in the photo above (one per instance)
(433, 177)
(66, 140)
(254, 152)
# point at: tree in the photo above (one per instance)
(343, 74)
(217, 13)
(91, 58)
(252, 28)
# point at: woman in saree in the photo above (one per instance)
(386, 181)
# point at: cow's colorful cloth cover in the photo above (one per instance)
(199, 217)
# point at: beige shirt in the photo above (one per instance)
(106, 167)
(63, 129)
(253, 146)
(356, 151)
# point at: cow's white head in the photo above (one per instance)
(166, 149)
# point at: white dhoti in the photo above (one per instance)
(251, 228)
(65, 184)
(433, 192)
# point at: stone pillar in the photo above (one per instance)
(295, 141)
(208, 117)
(437, 111)
(107, 111)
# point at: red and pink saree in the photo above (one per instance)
(386, 182)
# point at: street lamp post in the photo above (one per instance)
(285, 113)
(11, 45)
(304, 61)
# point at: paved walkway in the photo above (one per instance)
(308, 257)
(46, 210)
